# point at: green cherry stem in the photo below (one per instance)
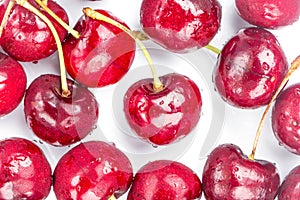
(64, 86)
(157, 85)
(213, 49)
(294, 66)
(44, 6)
(6, 16)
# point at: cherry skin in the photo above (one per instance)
(269, 13)
(181, 26)
(25, 172)
(229, 174)
(165, 179)
(102, 55)
(286, 119)
(26, 37)
(58, 120)
(13, 82)
(165, 116)
(250, 68)
(289, 188)
(92, 170)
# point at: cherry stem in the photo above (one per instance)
(6, 16)
(294, 66)
(213, 49)
(64, 86)
(157, 85)
(43, 4)
(112, 197)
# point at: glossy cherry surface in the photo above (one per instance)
(24, 170)
(229, 174)
(59, 120)
(181, 26)
(289, 188)
(269, 13)
(165, 179)
(26, 37)
(102, 55)
(92, 170)
(250, 68)
(13, 82)
(162, 117)
(286, 119)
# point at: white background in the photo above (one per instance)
(239, 126)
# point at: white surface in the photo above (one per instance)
(239, 126)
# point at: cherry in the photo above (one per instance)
(285, 118)
(13, 82)
(25, 36)
(289, 188)
(250, 68)
(102, 54)
(229, 174)
(165, 179)
(56, 119)
(92, 170)
(166, 115)
(181, 26)
(269, 13)
(24, 170)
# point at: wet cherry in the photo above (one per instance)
(250, 68)
(56, 119)
(289, 188)
(181, 26)
(102, 54)
(229, 174)
(25, 36)
(92, 170)
(164, 116)
(24, 170)
(13, 82)
(165, 179)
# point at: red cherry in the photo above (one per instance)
(229, 174)
(102, 55)
(24, 170)
(162, 117)
(92, 170)
(12, 84)
(59, 120)
(289, 188)
(269, 13)
(181, 26)
(26, 37)
(164, 179)
(250, 68)
(286, 119)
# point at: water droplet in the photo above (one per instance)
(235, 169)
(35, 62)
(154, 146)
(280, 143)
(41, 142)
(265, 66)
(161, 102)
(282, 117)
(297, 91)
(228, 67)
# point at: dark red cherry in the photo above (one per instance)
(92, 170)
(286, 119)
(269, 13)
(165, 179)
(289, 188)
(59, 120)
(181, 26)
(165, 116)
(13, 82)
(102, 55)
(250, 68)
(24, 170)
(25, 36)
(229, 174)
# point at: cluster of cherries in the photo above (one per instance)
(250, 72)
